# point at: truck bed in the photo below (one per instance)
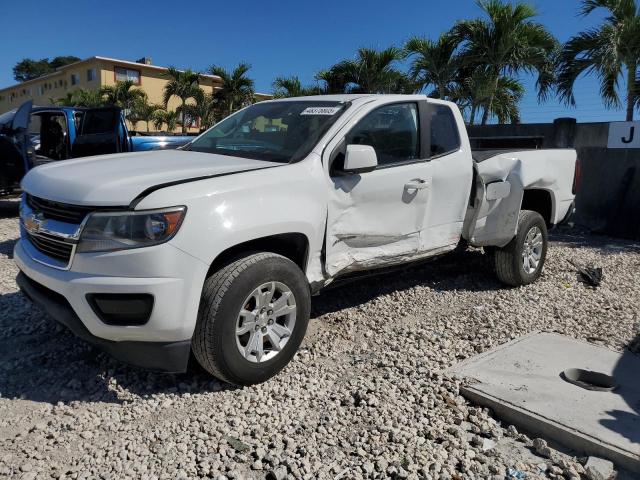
(503, 180)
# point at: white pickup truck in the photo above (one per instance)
(217, 248)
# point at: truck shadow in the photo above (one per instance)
(470, 271)
(43, 362)
(578, 238)
(9, 208)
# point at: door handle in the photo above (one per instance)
(416, 184)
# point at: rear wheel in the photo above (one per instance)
(252, 318)
(521, 261)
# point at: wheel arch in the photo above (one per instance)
(291, 245)
(541, 201)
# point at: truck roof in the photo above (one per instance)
(351, 97)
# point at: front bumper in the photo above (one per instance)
(173, 277)
(164, 356)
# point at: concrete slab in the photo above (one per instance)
(520, 381)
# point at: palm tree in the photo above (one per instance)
(609, 51)
(80, 98)
(88, 98)
(434, 63)
(168, 117)
(292, 87)
(122, 94)
(68, 100)
(205, 108)
(506, 43)
(236, 89)
(182, 84)
(373, 71)
(333, 79)
(143, 111)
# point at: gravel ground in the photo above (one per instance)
(366, 396)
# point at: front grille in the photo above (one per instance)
(59, 211)
(57, 249)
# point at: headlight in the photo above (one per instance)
(123, 230)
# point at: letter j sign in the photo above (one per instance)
(624, 135)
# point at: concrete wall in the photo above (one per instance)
(608, 201)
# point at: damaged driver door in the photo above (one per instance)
(376, 212)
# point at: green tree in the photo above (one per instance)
(28, 68)
(506, 43)
(434, 64)
(292, 87)
(473, 91)
(609, 51)
(184, 85)
(165, 117)
(69, 100)
(205, 109)
(88, 98)
(333, 79)
(373, 71)
(81, 98)
(143, 111)
(122, 94)
(61, 61)
(237, 88)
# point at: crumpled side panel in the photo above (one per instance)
(494, 222)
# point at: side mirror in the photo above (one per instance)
(360, 159)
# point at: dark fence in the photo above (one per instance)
(608, 201)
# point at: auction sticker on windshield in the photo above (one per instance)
(320, 111)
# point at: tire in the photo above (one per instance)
(215, 344)
(509, 261)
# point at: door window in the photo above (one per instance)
(392, 130)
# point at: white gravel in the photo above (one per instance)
(364, 397)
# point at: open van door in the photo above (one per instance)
(15, 158)
(101, 131)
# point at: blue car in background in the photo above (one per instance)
(31, 136)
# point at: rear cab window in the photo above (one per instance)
(445, 137)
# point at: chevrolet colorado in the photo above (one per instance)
(217, 248)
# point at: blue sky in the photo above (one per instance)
(281, 37)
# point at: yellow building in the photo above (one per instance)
(93, 74)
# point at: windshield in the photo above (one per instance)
(272, 131)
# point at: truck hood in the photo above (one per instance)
(116, 180)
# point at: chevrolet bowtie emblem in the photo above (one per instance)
(33, 223)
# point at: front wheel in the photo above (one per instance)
(521, 261)
(252, 318)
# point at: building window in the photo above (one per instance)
(40, 90)
(91, 74)
(75, 79)
(123, 74)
